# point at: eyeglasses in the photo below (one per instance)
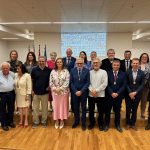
(79, 63)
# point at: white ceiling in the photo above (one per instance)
(21, 17)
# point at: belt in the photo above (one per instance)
(7, 92)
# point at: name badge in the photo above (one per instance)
(114, 83)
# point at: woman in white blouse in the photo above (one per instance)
(59, 83)
(23, 92)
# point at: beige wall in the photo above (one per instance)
(4, 54)
(52, 41)
(140, 47)
(118, 41)
(21, 47)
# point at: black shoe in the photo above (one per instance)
(106, 128)
(5, 128)
(12, 125)
(134, 128)
(75, 125)
(127, 127)
(34, 125)
(44, 125)
(90, 127)
(83, 127)
(119, 129)
(101, 128)
(147, 127)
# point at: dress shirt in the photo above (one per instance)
(6, 82)
(68, 59)
(98, 82)
(115, 72)
(127, 64)
(115, 75)
(134, 73)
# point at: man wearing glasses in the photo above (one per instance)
(79, 83)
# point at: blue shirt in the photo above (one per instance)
(6, 82)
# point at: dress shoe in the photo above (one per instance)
(119, 129)
(90, 127)
(134, 128)
(25, 126)
(12, 125)
(106, 128)
(61, 124)
(5, 128)
(147, 127)
(83, 127)
(20, 124)
(101, 128)
(56, 124)
(34, 125)
(75, 125)
(44, 125)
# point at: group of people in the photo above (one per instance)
(104, 83)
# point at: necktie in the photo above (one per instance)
(68, 61)
(79, 73)
(115, 76)
(127, 65)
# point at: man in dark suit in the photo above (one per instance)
(135, 82)
(79, 83)
(69, 61)
(126, 62)
(107, 63)
(115, 89)
(93, 55)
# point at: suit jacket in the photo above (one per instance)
(139, 82)
(106, 64)
(71, 64)
(24, 84)
(123, 65)
(120, 85)
(82, 84)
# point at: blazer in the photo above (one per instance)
(123, 65)
(120, 85)
(82, 84)
(71, 64)
(24, 84)
(139, 82)
(106, 64)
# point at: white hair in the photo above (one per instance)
(4, 63)
(79, 58)
(99, 60)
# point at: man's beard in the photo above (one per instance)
(111, 58)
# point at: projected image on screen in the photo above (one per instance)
(87, 42)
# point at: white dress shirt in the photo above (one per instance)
(7, 82)
(98, 82)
